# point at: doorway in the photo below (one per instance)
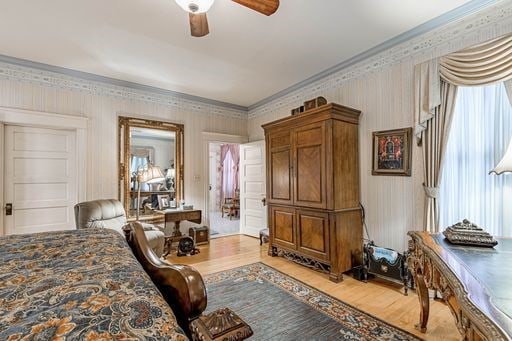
(224, 188)
(42, 170)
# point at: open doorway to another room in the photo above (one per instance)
(224, 189)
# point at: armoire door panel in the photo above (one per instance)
(313, 234)
(283, 227)
(309, 175)
(280, 169)
(309, 152)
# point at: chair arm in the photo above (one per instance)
(181, 285)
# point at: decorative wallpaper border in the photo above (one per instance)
(61, 81)
(495, 17)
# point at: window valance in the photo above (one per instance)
(435, 90)
(486, 63)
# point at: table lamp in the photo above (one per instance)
(505, 165)
(149, 174)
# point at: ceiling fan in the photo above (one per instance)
(197, 12)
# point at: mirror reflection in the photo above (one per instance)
(150, 165)
(152, 149)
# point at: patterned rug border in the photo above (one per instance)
(221, 276)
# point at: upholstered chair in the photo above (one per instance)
(109, 213)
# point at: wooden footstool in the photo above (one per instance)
(222, 324)
(264, 236)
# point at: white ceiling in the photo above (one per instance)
(245, 58)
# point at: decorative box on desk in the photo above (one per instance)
(200, 234)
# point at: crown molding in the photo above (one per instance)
(59, 77)
(485, 15)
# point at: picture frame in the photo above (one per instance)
(392, 150)
(163, 201)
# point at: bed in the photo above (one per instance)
(89, 284)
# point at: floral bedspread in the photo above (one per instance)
(79, 285)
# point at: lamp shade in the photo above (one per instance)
(195, 6)
(152, 174)
(505, 165)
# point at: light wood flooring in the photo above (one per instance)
(379, 298)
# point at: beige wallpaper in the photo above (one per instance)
(102, 112)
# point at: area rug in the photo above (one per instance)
(279, 307)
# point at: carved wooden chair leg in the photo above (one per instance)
(421, 289)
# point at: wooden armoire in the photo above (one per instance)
(313, 188)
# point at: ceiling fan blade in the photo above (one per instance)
(198, 24)
(267, 7)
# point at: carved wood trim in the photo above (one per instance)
(427, 260)
(301, 259)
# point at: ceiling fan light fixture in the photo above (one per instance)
(195, 6)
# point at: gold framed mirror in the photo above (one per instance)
(150, 165)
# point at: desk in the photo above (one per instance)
(177, 216)
(475, 282)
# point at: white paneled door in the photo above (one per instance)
(253, 212)
(40, 179)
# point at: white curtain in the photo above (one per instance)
(137, 163)
(228, 176)
(480, 133)
(508, 86)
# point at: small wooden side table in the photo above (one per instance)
(176, 216)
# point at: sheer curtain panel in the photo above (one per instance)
(481, 131)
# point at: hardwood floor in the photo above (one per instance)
(379, 298)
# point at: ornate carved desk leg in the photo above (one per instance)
(422, 291)
(414, 263)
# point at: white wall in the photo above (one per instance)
(102, 110)
(382, 88)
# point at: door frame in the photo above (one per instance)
(39, 119)
(243, 208)
(207, 138)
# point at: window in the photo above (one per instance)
(480, 132)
